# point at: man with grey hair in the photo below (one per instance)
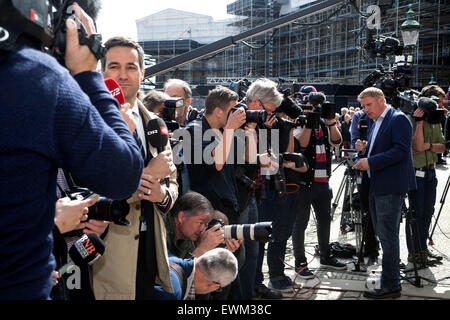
(264, 95)
(181, 89)
(344, 111)
(213, 270)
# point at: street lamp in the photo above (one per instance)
(410, 29)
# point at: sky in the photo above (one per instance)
(118, 17)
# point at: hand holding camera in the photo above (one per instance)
(79, 58)
(236, 119)
(210, 239)
(69, 214)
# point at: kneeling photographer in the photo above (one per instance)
(191, 229)
(315, 140)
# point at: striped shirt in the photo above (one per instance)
(320, 172)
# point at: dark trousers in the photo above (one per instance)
(248, 270)
(319, 195)
(425, 200)
(281, 211)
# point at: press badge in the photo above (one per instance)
(420, 174)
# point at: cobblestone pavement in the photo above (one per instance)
(350, 285)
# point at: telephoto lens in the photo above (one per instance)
(110, 210)
(261, 231)
(104, 209)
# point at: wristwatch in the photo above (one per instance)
(431, 146)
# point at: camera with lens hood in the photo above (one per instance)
(104, 209)
(261, 231)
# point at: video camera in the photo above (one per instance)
(311, 119)
(104, 209)
(394, 85)
(382, 46)
(261, 231)
(42, 24)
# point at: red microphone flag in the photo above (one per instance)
(115, 90)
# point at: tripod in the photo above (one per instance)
(412, 223)
(444, 195)
(348, 183)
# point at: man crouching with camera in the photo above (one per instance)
(315, 140)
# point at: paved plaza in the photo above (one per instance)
(350, 285)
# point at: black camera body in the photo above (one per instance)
(170, 108)
(255, 116)
(104, 209)
(42, 24)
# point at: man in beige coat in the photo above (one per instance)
(136, 257)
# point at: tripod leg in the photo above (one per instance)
(442, 201)
(338, 196)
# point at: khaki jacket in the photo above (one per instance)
(115, 271)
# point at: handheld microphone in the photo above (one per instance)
(158, 136)
(363, 127)
(115, 90)
(84, 251)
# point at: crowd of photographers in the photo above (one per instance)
(102, 199)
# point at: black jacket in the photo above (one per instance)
(307, 178)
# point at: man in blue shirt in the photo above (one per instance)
(50, 119)
(388, 162)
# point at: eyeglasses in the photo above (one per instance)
(261, 104)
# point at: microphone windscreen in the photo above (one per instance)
(316, 98)
(157, 133)
(115, 90)
(87, 249)
(428, 105)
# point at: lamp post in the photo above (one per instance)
(410, 29)
(410, 34)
